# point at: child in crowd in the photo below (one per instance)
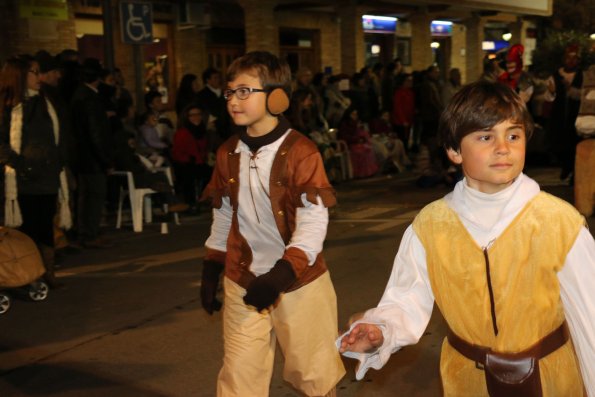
(510, 267)
(271, 196)
(149, 141)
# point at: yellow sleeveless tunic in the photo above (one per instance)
(524, 261)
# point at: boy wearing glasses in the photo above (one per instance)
(270, 195)
(518, 278)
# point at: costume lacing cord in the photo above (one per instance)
(490, 290)
(253, 166)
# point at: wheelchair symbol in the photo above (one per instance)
(135, 26)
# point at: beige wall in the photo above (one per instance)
(458, 50)
(421, 37)
(190, 52)
(326, 24)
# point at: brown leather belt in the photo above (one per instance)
(545, 346)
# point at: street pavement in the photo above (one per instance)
(129, 321)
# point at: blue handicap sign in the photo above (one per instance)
(136, 22)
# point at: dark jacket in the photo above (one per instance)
(67, 142)
(215, 106)
(91, 128)
(40, 161)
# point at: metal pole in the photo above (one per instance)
(108, 35)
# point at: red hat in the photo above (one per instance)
(515, 54)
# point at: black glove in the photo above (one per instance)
(264, 290)
(208, 288)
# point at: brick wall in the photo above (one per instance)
(474, 53)
(191, 52)
(28, 36)
(352, 43)
(330, 33)
(421, 37)
(458, 58)
(262, 31)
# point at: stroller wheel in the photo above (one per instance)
(5, 302)
(38, 291)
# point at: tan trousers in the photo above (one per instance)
(305, 324)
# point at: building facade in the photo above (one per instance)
(321, 35)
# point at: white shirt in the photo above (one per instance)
(406, 306)
(256, 218)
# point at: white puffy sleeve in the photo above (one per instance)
(577, 281)
(405, 308)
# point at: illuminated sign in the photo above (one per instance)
(379, 24)
(441, 28)
(496, 45)
(46, 9)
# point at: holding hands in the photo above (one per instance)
(363, 338)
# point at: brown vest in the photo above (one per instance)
(297, 169)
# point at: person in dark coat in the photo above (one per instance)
(33, 157)
(91, 127)
(568, 79)
(211, 100)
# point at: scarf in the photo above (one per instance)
(255, 143)
(12, 211)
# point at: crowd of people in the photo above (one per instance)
(66, 125)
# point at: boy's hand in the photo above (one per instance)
(264, 290)
(211, 271)
(362, 339)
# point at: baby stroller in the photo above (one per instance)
(20, 268)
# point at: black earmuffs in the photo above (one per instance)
(277, 101)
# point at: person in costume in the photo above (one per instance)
(270, 195)
(514, 76)
(510, 267)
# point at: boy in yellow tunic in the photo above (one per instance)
(511, 268)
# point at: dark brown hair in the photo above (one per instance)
(13, 81)
(480, 106)
(271, 71)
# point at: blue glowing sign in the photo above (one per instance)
(379, 24)
(441, 28)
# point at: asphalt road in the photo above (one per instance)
(129, 323)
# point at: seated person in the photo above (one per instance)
(155, 102)
(353, 131)
(149, 141)
(127, 159)
(389, 149)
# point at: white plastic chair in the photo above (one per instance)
(140, 200)
(342, 153)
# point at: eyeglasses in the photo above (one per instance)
(35, 72)
(241, 92)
